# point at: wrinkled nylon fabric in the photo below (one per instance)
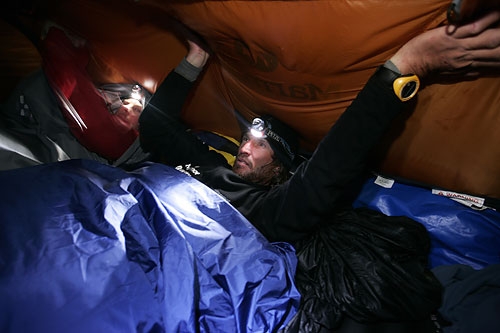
(367, 266)
(459, 234)
(86, 247)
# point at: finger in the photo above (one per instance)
(485, 45)
(477, 27)
(485, 63)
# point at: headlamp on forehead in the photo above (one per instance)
(264, 129)
(258, 128)
(137, 93)
(114, 94)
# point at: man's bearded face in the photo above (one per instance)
(255, 160)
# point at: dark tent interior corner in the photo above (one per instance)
(90, 244)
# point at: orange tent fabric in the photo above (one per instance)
(304, 62)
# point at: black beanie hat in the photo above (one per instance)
(283, 139)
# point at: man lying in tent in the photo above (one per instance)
(255, 184)
(298, 207)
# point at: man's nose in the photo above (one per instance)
(246, 147)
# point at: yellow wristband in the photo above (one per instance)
(406, 86)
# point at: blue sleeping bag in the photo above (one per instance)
(85, 247)
(459, 234)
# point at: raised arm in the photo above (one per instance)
(341, 157)
(162, 132)
(466, 49)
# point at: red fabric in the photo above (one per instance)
(65, 67)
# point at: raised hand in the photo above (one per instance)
(197, 55)
(448, 49)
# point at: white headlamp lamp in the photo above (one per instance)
(137, 93)
(258, 128)
(262, 129)
(114, 94)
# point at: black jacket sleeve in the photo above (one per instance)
(162, 132)
(316, 187)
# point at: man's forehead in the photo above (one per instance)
(249, 135)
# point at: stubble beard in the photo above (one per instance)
(261, 175)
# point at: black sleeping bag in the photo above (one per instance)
(368, 268)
